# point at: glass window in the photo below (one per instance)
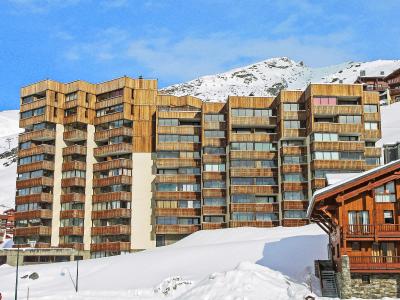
(214, 133)
(385, 193)
(324, 137)
(370, 108)
(214, 117)
(214, 167)
(371, 125)
(349, 119)
(325, 101)
(294, 214)
(294, 196)
(168, 122)
(214, 150)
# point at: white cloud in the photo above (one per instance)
(40, 6)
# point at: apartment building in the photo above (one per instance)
(393, 80)
(116, 167)
(377, 84)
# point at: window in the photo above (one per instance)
(371, 125)
(33, 113)
(214, 167)
(171, 138)
(168, 122)
(325, 101)
(294, 196)
(289, 143)
(71, 96)
(214, 150)
(70, 112)
(293, 106)
(73, 173)
(351, 155)
(327, 155)
(370, 108)
(214, 219)
(214, 133)
(348, 138)
(365, 279)
(110, 110)
(166, 220)
(109, 95)
(358, 217)
(355, 246)
(373, 161)
(294, 124)
(293, 177)
(294, 214)
(214, 117)
(253, 146)
(324, 137)
(167, 154)
(250, 198)
(214, 202)
(214, 184)
(388, 216)
(385, 193)
(247, 112)
(253, 181)
(349, 119)
(291, 160)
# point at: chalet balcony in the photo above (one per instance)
(74, 149)
(39, 165)
(214, 210)
(73, 213)
(73, 165)
(373, 152)
(211, 226)
(111, 246)
(71, 230)
(214, 142)
(111, 230)
(333, 110)
(112, 213)
(294, 133)
(294, 115)
(253, 121)
(254, 189)
(253, 137)
(214, 125)
(369, 231)
(75, 135)
(293, 150)
(372, 134)
(178, 212)
(39, 102)
(294, 186)
(39, 181)
(114, 149)
(35, 198)
(178, 162)
(237, 154)
(338, 164)
(73, 197)
(219, 193)
(112, 164)
(109, 102)
(176, 195)
(179, 146)
(177, 229)
(41, 149)
(34, 214)
(337, 146)
(112, 180)
(104, 135)
(318, 183)
(214, 158)
(74, 181)
(253, 172)
(375, 264)
(112, 196)
(298, 168)
(214, 176)
(294, 222)
(178, 178)
(191, 130)
(295, 205)
(253, 223)
(38, 135)
(372, 117)
(254, 207)
(33, 230)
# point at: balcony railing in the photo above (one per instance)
(111, 246)
(177, 229)
(369, 263)
(369, 231)
(41, 149)
(114, 149)
(106, 134)
(34, 230)
(39, 135)
(253, 223)
(254, 207)
(74, 149)
(111, 230)
(75, 135)
(113, 164)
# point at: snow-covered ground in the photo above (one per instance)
(231, 264)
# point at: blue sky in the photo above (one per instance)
(176, 41)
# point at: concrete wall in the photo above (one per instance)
(142, 236)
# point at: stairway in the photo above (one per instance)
(327, 277)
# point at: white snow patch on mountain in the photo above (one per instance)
(267, 78)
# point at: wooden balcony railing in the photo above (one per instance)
(214, 210)
(112, 196)
(329, 110)
(34, 214)
(179, 146)
(294, 186)
(214, 125)
(214, 159)
(372, 263)
(115, 149)
(337, 146)
(372, 134)
(254, 189)
(253, 172)
(74, 149)
(287, 133)
(39, 135)
(34, 230)
(211, 226)
(213, 176)
(293, 150)
(74, 181)
(370, 231)
(179, 178)
(254, 121)
(253, 137)
(295, 205)
(178, 212)
(73, 213)
(41, 149)
(120, 179)
(373, 152)
(71, 230)
(112, 213)
(112, 164)
(214, 142)
(337, 127)
(178, 162)
(76, 246)
(177, 229)
(39, 165)
(106, 134)
(75, 135)
(253, 223)
(318, 183)
(73, 197)
(176, 195)
(253, 155)
(338, 164)
(254, 207)
(73, 165)
(111, 230)
(36, 198)
(294, 222)
(111, 246)
(191, 130)
(40, 181)
(294, 168)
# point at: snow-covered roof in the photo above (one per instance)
(346, 181)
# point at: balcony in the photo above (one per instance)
(176, 195)
(74, 165)
(337, 127)
(207, 158)
(372, 117)
(38, 135)
(212, 226)
(71, 230)
(35, 198)
(41, 149)
(112, 213)
(74, 149)
(294, 186)
(358, 165)
(111, 246)
(293, 150)
(112, 180)
(293, 168)
(115, 149)
(334, 110)
(104, 135)
(179, 146)
(295, 205)
(370, 231)
(111, 230)
(34, 214)
(112, 164)
(337, 146)
(237, 154)
(253, 172)
(40, 181)
(372, 134)
(75, 135)
(178, 212)
(179, 178)
(375, 264)
(214, 210)
(373, 152)
(73, 197)
(254, 189)
(34, 230)
(39, 165)
(214, 125)
(254, 207)
(294, 133)
(74, 181)
(253, 121)
(214, 142)
(112, 196)
(253, 223)
(176, 229)
(294, 222)
(214, 176)
(177, 162)
(254, 137)
(318, 183)
(73, 213)
(191, 130)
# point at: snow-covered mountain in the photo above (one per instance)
(268, 77)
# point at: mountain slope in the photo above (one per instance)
(268, 77)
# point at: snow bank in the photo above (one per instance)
(281, 253)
